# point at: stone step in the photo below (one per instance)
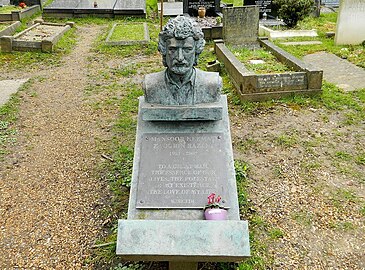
(183, 240)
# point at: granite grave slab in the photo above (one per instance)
(191, 7)
(266, 7)
(338, 71)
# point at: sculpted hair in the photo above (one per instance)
(180, 28)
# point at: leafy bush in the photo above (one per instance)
(292, 11)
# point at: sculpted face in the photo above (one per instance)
(180, 55)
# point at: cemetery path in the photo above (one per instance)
(49, 195)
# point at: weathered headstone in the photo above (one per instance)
(182, 154)
(191, 7)
(266, 7)
(241, 25)
(350, 27)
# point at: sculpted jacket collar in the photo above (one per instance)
(182, 92)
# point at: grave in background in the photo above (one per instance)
(306, 80)
(265, 7)
(99, 8)
(39, 37)
(144, 40)
(18, 15)
(350, 27)
(256, 87)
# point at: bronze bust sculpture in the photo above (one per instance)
(180, 44)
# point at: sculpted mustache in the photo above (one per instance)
(180, 63)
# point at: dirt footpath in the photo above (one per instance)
(49, 195)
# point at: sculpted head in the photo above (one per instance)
(180, 43)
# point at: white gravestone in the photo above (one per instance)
(351, 22)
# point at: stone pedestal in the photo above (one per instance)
(176, 165)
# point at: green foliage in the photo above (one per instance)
(343, 155)
(28, 60)
(8, 115)
(360, 159)
(292, 11)
(276, 234)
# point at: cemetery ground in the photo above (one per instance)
(67, 142)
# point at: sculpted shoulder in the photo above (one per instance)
(154, 88)
(208, 86)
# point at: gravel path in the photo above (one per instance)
(48, 194)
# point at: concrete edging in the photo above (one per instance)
(10, 29)
(20, 14)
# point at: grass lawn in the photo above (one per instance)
(128, 31)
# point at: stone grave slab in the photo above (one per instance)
(350, 26)
(266, 6)
(275, 34)
(9, 87)
(130, 7)
(171, 8)
(248, 19)
(338, 71)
